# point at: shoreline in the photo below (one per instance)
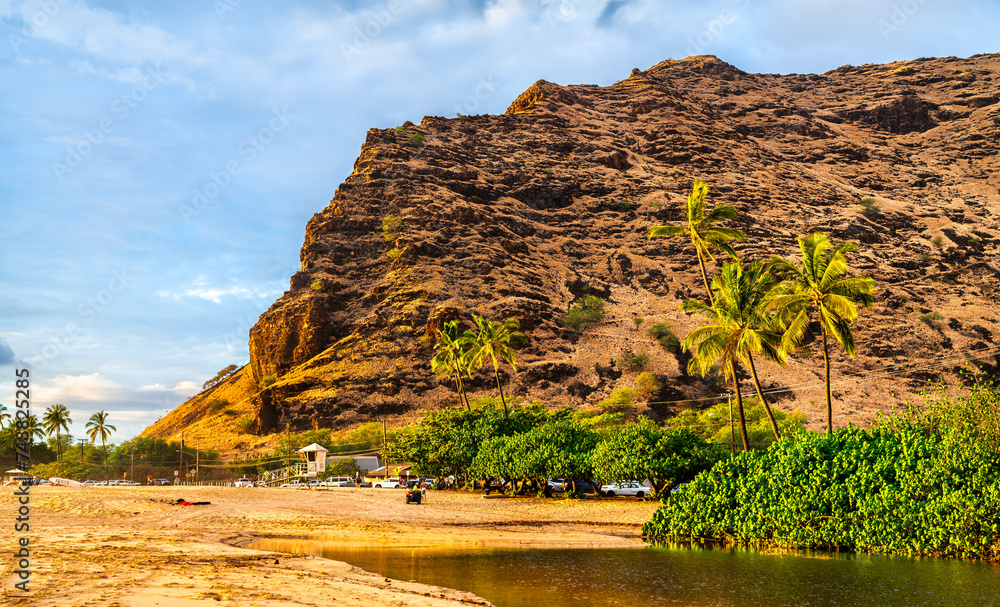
(132, 545)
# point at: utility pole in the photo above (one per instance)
(132, 445)
(384, 452)
(181, 435)
(197, 459)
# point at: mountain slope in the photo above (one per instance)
(518, 215)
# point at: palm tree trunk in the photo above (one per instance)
(704, 276)
(739, 410)
(829, 397)
(461, 388)
(760, 395)
(496, 373)
(105, 447)
(58, 445)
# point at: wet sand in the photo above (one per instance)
(132, 546)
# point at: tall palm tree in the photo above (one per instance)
(3, 414)
(739, 325)
(56, 420)
(450, 358)
(702, 229)
(98, 425)
(493, 341)
(821, 288)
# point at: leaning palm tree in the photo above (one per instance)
(702, 229)
(739, 325)
(56, 420)
(493, 341)
(821, 288)
(450, 358)
(98, 425)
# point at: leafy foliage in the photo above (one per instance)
(416, 139)
(622, 400)
(932, 319)
(643, 450)
(632, 361)
(584, 313)
(268, 380)
(664, 335)
(712, 424)
(391, 227)
(221, 375)
(647, 386)
(869, 209)
(217, 405)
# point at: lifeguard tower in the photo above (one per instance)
(315, 459)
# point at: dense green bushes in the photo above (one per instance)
(586, 312)
(923, 483)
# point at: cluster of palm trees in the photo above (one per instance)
(461, 354)
(56, 420)
(764, 308)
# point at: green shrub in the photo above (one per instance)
(621, 400)
(416, 139)
(217, 405)
(923, 483)
(932, 319)
(869, 209)
(925, 256)
(317, 285)
(394, 253)
(268, 380)
(244, 424)
(638, 321)
(996, 120)
(230, 412)
(586, 312)
(664, 334)
(937, 240)
(400, 129)
(632, 361)
(647, 386)
(391, 226)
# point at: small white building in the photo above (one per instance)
(315, 459)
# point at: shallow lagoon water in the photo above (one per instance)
(670, 575)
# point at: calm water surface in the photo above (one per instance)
(510, 577)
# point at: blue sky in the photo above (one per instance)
(159, 161)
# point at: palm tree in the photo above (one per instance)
(738, 326)
(98, 426)
(820, 287)
(702, 230)
(3, 414)
(451, 359)
(493, 341)
(56, 420)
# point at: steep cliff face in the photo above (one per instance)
(517, 215)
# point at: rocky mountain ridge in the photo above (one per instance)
(518, 215)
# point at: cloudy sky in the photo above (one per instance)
(160, 160)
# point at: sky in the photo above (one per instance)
(159, 161)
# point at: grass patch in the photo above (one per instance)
(217, 405)
(932, 320)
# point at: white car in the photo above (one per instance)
(630, 488)
(387, 484)
(129, 484)
(243, 482)
(293, 484)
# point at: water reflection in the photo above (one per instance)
(671, 575)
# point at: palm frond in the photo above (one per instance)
(666, 231)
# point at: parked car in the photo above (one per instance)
(631, 488)
(678, 488)
(160, 482)
(129, 483)
(296, 484)
(261, 484)
(89, 483)
(392, 483)
(243, 482)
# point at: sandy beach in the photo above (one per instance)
(135, 547)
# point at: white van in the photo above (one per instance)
(339, 481)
